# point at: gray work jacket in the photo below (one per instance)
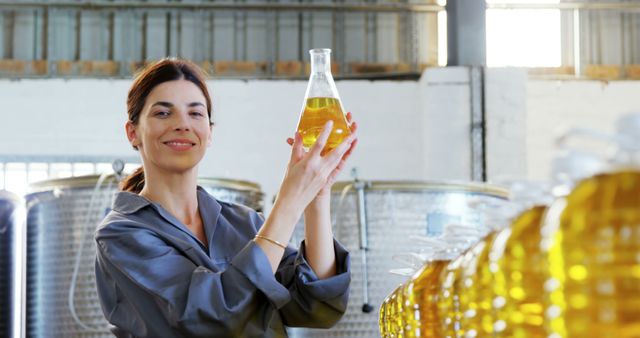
(156, 279)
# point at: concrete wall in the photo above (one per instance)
(555, 106)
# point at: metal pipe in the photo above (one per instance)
(577, 53)
(297, 7)
(364, 242)
(478, 126)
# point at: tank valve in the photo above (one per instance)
(118, 166)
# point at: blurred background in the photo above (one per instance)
(459, 90)
(65, 67)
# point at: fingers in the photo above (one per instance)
(290, 141)
(297, 152)
(348, 153)
(337, 154)
(334, 174)
(349, 116)
(316, 150)
(353, 127)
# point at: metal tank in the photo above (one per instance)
(375, 220)
(9, 227)
(62, 218)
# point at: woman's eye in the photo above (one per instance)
(162, 113)
(196, 113)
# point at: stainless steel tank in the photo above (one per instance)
(375, 220)
(62, 217)
(9, 224)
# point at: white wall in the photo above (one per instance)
(409, 130)
(506, 119)
(556, 106)
(254, 118)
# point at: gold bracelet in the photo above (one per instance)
(272, 241)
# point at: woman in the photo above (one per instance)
(172, 261)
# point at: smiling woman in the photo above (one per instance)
(172, 261)
(175, 79)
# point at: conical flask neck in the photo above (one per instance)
(320, 60)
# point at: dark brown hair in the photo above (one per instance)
(162, 71)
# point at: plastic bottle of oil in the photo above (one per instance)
(393, 311)
(449, 307)
(322, 103)
(421, 291)
(474, 284)
(592, 237)
(475, 291)
(382, 319)
(389, 314)
(518, 277)
(518, 266)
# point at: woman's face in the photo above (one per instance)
(173, 131)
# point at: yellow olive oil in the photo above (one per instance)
(475, 288)
(594, 259)
(448, 301)
(519, 277)
(317, 111)
(421, 292)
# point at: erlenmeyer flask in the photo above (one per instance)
(321, 104)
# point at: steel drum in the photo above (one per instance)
(61, 221)
(8, 228)
(393, 212)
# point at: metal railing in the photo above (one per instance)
(63, 38)
(201, 6)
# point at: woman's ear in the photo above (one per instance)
(132, 135)
(210, 135)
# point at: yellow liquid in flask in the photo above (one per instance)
(317, 111)
(595, 259)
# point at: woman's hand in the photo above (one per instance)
(309, 173)
(326, 189)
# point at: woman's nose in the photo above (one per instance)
(182, 124)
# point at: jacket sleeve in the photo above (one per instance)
(155, 283)
(314, 302)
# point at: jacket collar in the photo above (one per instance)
(129, 203)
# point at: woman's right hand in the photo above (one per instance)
(308, 172)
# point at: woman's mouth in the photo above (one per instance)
(180, 145)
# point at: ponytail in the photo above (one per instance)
(134, 182)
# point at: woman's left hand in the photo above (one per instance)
(326, 190)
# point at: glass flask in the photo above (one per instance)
(321, 104)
